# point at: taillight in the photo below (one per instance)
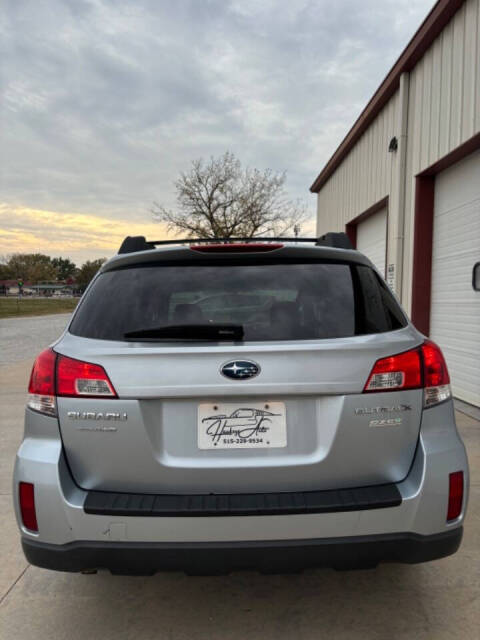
(26, 498)
(423, 367)
(82, 379)
(435, 373)
(41, 387)
(56, 375)
(402, 371)
(455, 495)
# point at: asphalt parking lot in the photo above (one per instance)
(435, 600)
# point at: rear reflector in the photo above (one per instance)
(423, 367)
(76, 379)
(455, 495)
(26, 495)
(238, 247)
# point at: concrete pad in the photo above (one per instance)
(23, 338)
(13, 394)
(427, 601)
(13, 562)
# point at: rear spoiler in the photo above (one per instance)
(336, 240)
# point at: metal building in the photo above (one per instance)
(405, 184)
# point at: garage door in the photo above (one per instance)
(455, 306)
(372, 238)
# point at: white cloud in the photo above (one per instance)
(105, 101)
(64, 233)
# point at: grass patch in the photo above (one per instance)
(16, 307)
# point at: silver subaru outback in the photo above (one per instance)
(218, 406)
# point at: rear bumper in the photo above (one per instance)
(226, 505)
(359, 552)
(76, 534)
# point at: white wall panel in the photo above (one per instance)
(455, 306)
(372, 238)
(365, 176)
(440, 118)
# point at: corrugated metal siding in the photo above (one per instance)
(365, 176)
(456, 248)
(443, 112)
(444, 108)
(443, 87)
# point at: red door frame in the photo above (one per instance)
(423, 232)
(351, 227)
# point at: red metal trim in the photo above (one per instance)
(422, 252)
(423, 231)
(432, 26)
(469, 146)
(351, 226)
(351, 231)
(381, 204)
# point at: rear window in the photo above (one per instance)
(287, 301)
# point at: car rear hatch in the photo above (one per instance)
(279, 406)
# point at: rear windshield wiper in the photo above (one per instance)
(189, 332)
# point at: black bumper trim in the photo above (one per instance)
(210, 558)
(260, 504)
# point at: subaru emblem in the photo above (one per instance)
(240, 369)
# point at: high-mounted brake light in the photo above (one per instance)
(238, 247)
(41, 388)
(26, 498)
(423, 367)
(56, 375)
(455, 495)
(76, 379)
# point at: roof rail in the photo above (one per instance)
(337, 239)
(139, 243)
(135, 243)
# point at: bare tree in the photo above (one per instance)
(220, 199)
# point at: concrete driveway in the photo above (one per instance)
(435, 600)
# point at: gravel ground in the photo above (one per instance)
(24, 338)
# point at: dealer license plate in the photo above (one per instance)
(258, 425)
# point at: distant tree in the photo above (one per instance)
(64, 267)
(87, 271)
(4, 270)
(221, 199)
(30, 267)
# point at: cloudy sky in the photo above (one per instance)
(104, 102)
